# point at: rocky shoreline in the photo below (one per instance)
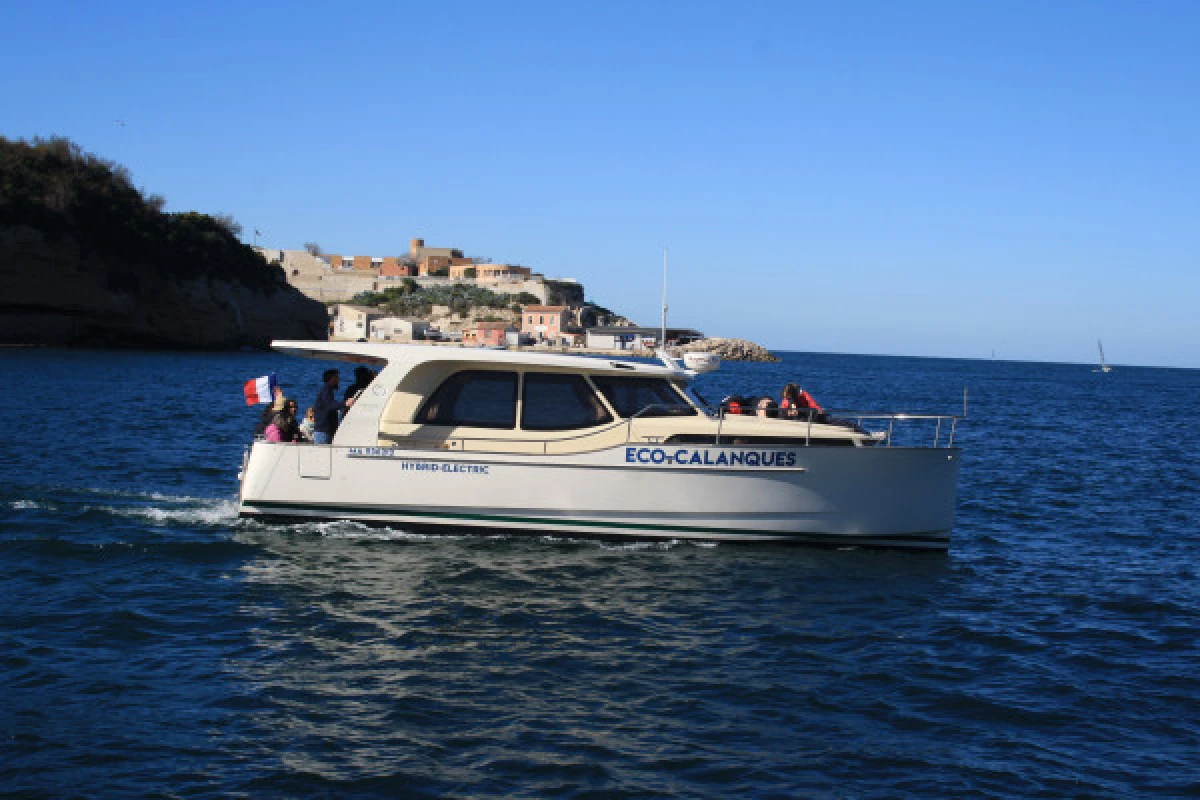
(731, 349)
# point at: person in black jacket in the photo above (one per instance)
(327, 406)
(362, 379)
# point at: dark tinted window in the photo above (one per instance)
(630, 395)
(476, 398)
(560, 402)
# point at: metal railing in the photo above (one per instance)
(892, 418)
(856, 420)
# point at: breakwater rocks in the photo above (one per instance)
(56, 295)
(731, 349)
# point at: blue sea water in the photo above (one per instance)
(153, 645)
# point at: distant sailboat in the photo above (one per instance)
(1104, 367)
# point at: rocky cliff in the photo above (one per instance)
(53, 294)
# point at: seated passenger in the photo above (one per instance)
(789, 402)
(799, 404)
(284, 427)
(766, 408)
(308, 425)
(735, 404)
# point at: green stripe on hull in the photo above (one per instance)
(282, 509)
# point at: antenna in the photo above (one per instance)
(662, 342)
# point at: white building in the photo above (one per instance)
(352, 322)
(634, 338)
(399, 329)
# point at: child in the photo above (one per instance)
(307, 425)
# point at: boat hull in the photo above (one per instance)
(873, 496)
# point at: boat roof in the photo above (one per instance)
(378, 354)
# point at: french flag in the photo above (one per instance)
(260, 390)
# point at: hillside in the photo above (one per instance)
(86, 259)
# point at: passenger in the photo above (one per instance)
(306, 426)
(807, 403)
(733, 405)
(799, 404)
(284, 427)
(326, 408)
(766, 408)
(269, 413)
(789, 402)
(362, 379)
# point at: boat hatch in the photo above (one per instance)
(315, 462)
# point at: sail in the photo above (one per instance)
(1104, 367)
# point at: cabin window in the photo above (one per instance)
(475, 399)
(552, 402)
(654, 397)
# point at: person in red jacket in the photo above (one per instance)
(799, 404)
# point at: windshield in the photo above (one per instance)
(653, 397)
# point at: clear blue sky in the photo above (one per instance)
(916, 178)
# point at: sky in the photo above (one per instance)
(964, 179)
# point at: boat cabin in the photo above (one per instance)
(487, 401)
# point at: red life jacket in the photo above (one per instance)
(804, 401)
(807, 401)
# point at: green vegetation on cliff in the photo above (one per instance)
(54, 187)
(410, 299)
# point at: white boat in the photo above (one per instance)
(1104, 367)
(574, 446)
(701, 362)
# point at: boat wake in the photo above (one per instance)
(337, 529)
(157, 509)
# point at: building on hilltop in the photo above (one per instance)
(435, 260)
(352, 322)
(337, 278)
(488, 334)
(399, 329)
(544, 322)
(489, 273)
(397, 268)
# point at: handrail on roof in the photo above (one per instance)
(837, 417)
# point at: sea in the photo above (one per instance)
(154, 645)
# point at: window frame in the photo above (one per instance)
(590, 388)
(419, 417)
(683, 403)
